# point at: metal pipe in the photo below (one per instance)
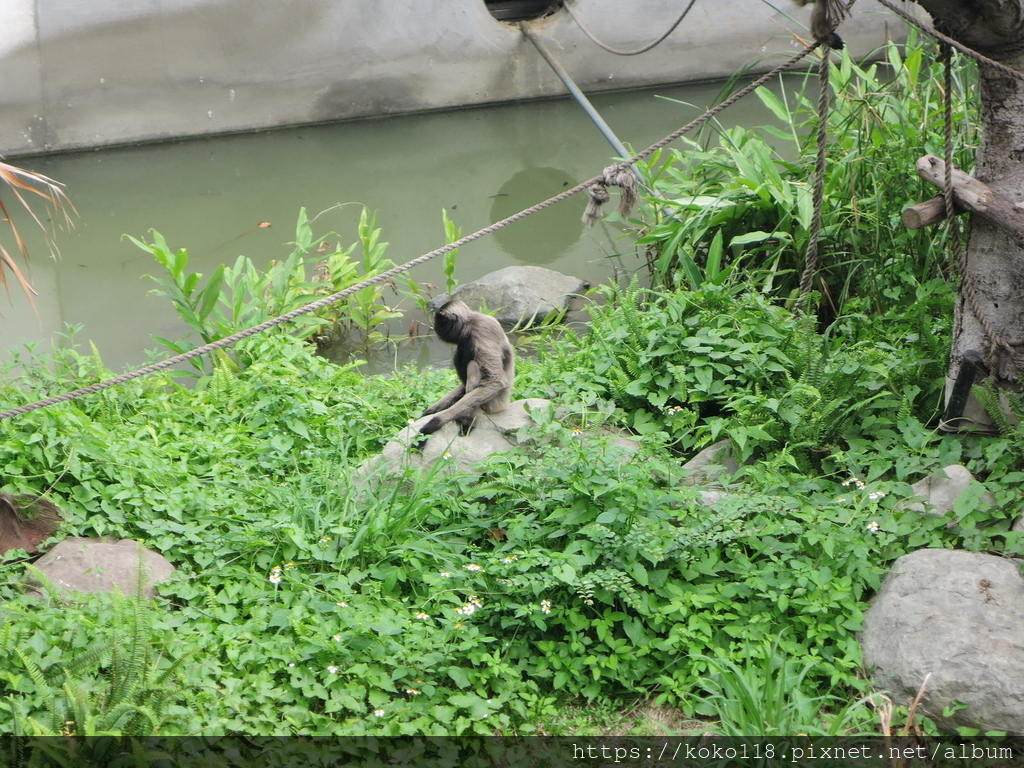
(580, 97)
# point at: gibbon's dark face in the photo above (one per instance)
(449, 321)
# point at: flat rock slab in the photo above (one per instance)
(959, 616)
(448, 450)
(101, 565)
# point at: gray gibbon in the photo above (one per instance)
(484, 362)
(824, 18)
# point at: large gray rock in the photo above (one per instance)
(100, 565)
(520, 296)
(959, 616)
(447, 451)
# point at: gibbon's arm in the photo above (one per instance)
(447, 401)
(464, 410)
(472, 381)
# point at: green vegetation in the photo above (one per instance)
(570, 574)
(751, 191)
(242, 296)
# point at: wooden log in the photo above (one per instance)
(975, 196)
(927, 213)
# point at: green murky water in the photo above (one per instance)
(210, 196)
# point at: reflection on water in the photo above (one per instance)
(549, 233)
(211, 195)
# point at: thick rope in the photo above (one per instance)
(620, 176)
(956, 246)
(818, 195)
(601, 180)
(827, 16)
(825, 19)
(638, 51)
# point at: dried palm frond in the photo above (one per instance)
(19, 182)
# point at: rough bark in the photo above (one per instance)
(985, 25)
(995, 258)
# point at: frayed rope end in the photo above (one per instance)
(622, 176)
(595, 207)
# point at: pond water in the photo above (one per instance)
(210, 196)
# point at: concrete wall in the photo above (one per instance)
(86, 73)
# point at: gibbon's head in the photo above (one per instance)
(450, 321)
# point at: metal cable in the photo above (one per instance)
(638, 51)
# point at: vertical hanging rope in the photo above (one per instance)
(818, 199)
(956, 246)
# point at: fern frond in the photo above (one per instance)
(81, 705)
(127, 671)
(47, 586)
(35, 672)
(111, 720)
(82, 661)
(990, 400)
(33, 727)
(1016, 405)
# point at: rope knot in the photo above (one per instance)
(622, 176)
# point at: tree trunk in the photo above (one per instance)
(995, 259)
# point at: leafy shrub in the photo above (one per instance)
(241, 296)
(115, 686)
(251, 498)
(745, 204)
(693, 366)
(767, 696)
